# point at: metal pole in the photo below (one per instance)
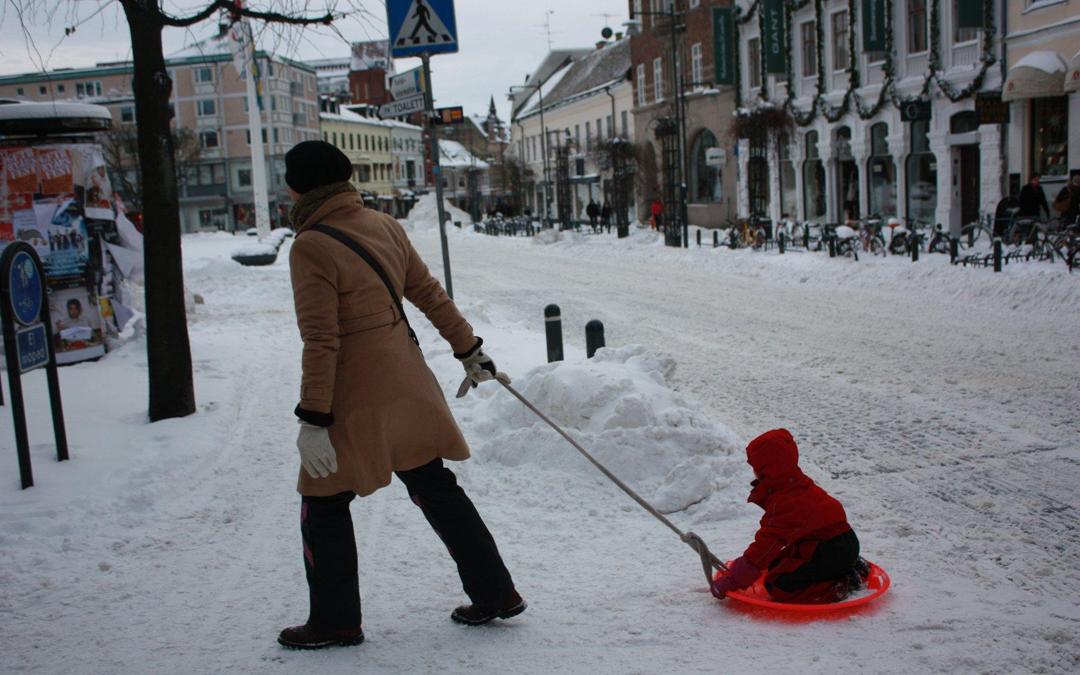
(680, 120)
(436, 171)
(260, 196)
(544, 156)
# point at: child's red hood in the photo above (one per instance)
(775, 458)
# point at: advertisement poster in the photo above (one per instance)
(92, 181)
(15, 206)
(66, 249)
(20, 170)
(55, 172)
(77, 327)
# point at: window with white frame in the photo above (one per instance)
(658, 78)
(205, 107)
(961, 34)
(209, 139)
(203, 75)
(641, 93)
(91, 88)
(917, 30)
(753, 61)
(697, 66)
(127, 113)
(808, 33)
(841, 55)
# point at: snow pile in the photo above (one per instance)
(255, 249)
(619, 406)
(425, 214)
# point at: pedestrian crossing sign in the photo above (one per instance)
(418, 26)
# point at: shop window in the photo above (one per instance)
(705, 184)
(813, 180)
(921, 175)
(787, 175)
(1050, 135)
(881, 172)
(758, 175)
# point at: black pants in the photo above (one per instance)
(330, 546)
(833, 560)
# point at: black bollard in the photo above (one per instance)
(806, 236)
(553, 329)
(715, 238)
(997, 254)
(780, 242)
(594, 337)
(914, 247)
(699, 238)
(832, 247)
(954, 249)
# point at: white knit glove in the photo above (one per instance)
(316, 452)
(478, 368)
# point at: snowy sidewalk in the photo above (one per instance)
(174, 547)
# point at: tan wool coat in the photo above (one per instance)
(359, 363)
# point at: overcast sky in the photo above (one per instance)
(501, 40)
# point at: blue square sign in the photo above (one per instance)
(32, 346)
(418, 26)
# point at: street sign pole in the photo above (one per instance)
(436, 172)
(27, 333)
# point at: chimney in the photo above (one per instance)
(618, 36)
(601, 44)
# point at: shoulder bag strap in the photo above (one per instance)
(370, 260)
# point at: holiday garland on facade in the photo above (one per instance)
(887, 93)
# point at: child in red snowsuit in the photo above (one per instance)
(805, 544)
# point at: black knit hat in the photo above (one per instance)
(312, 164)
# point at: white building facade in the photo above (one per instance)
(1042, 91)
(587, 101)
(882, 133)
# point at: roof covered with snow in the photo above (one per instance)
(589, 72)
(454, 155)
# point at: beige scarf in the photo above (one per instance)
(311, 200)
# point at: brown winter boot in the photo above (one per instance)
(309, 637)
(476, 615)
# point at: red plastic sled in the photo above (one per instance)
(877, 581)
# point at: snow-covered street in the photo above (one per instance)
(938, 404)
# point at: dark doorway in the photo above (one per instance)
(969, 184)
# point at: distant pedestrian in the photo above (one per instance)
(658, 214)
(1067, 203)
(369, 406)
(593, 212)
(1033, 199)
(605, 216)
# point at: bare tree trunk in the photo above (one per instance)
(172, 391)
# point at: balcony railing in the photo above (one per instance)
(965, 55)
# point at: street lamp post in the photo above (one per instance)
(543, 147)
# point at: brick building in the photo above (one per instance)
(711, 192)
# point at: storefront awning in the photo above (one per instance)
(1037, 75)
(1072, 78)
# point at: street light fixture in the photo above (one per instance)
(546, 183)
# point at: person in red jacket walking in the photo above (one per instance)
(809, 552)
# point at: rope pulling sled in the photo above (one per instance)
(877, 581)
(709, 562)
